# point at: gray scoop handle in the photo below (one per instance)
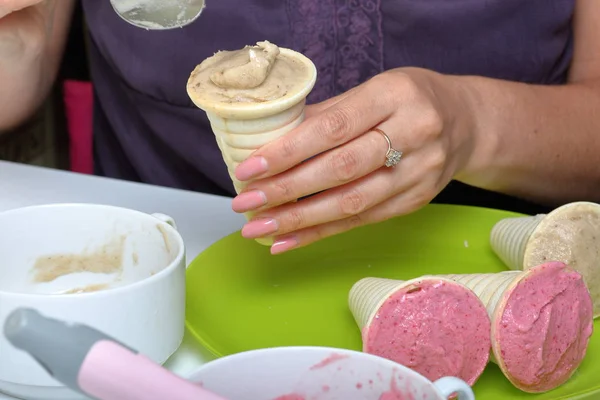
(59, 347)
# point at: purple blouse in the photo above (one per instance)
(146, 129)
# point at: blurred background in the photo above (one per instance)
(59, 135)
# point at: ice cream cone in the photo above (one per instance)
(367, 296)
(570, 234)
(509, 239)
(239, 138)
(507, 294)
(490, 288)
(387, 334)
(241, 128)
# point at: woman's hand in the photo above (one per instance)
(423, 114)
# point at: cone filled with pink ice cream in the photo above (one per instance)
(431, 324)
(251, 96)
(541, 322)
(570, 234)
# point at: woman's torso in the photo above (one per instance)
(146, 128)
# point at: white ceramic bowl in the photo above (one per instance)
(320, 373)
(139, 299)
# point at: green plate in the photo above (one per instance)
(240, 298)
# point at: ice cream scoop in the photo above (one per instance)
(95, 364)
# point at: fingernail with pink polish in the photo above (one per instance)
(283, 245)
(248, 201)
(252, 167)
(259, 228)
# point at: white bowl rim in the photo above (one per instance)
(321, 350)
(112, 291)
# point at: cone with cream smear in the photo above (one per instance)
(241, 128)
(569, 234)
(496, 290)
(370, 298)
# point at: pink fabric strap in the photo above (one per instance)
(78, 98)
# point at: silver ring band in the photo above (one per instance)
(393, 156)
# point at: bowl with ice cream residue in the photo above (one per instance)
(117, 270)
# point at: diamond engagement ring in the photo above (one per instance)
(393, 156)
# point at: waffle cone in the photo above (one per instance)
(238, 139)
(368, 301)
(522, 243)
(488, 287)
(368, 295)
(242, 128)
(491, 290)
(495, 290)
(510, 236)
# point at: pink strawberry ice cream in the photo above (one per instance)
(541, 334)
(435, 327)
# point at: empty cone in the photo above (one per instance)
(428, 324)
(541, 322)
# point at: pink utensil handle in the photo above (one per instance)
(112, 372)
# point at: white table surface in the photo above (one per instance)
(201, 219)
